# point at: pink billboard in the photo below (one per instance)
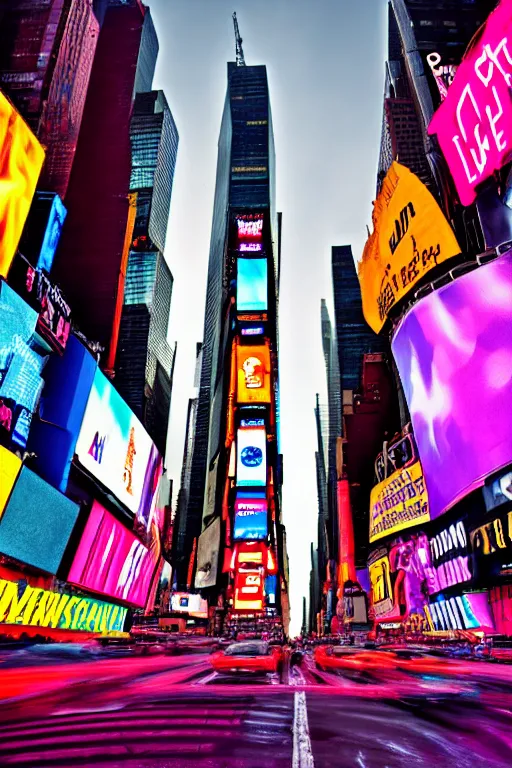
(474, 122)
(111, 561)
(454, 353)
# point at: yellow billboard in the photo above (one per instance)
(410, 237)
(21, 160)
(10, 466)
(253, 366)
(399, 502)
(380, 583)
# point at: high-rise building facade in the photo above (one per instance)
(236, 468)
(47, 49)
(145, 361)
(92, 260)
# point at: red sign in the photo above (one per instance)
(248, 590)
(250, 226)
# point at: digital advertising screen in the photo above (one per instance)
(21, 160)
(10, 466)
(251, 285)
(251, 516)
(253, 364)
(207, 562)
(454, 353)
(58, 213)
(398, 502)
(113, 445)
(111, 561)
(470, 611)
(473, 123)
(248, 590)
(194, 605)
(250, 226)
(410, 237)
(450, 558)
(251, 465)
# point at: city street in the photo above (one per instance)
(173, 711)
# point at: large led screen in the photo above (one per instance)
(113, 445)
(473, 124)
(111, 561)
(251, 285)
(253, 364)
(454, 354)
(251, 516)
(398, 502)
(248, 590)
(208, 547)
(56, 218)
(37, 523)
(251, 467)
(21, 160)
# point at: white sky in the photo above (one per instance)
(325, 64)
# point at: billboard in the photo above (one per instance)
(10, 466)
(251, 465)
(398, 502)
(194, 605)
(454, 354)
(410, 237)
(58, 213)
(34, 607)
(113, 445)
(21, 160)
(43, 229)
(250, 226)
(208, 547)
(471, 611)
(450, 558)
(251, 516)
(248, 590)
(491, 543)
(473, 122)
(111, 561)
(37, 523)
(253, 365)
(251, 285)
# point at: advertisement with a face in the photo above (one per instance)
(410, 237)
(113, 445)
(208, 547)
(398, 502)
(248, 590)
(253, 364)
(251, 516)
(251, 285)
(473, 124)
(21, 160)
(111, 561)
(454, 355)
(251, 465)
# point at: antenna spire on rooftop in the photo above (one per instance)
(240, 60)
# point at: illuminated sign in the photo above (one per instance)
(251, 515)
(10, 466)
(398, 502)
(257, 330)
(473, 122)
(208, 547)
(194, 605)
(113, 445)
(498, 491)
(252, 422)
(21, 160)
(57, 216)
(248, 590)
(380, 582)
(443, 74)
(449, 552)
(493, 536)
(454, 346)
(29, 606)
(260, 317)
(251, 469)
(251, 285)
(250, 226)
(253, 364)
(470, 611)
(112, 561)
(250, 247)
(410, 237)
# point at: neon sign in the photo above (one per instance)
(443, 74)
(473, 122)
(250, 226)
(450, 558)
(250, 247)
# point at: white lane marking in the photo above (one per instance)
(302, 752)
(207, 679)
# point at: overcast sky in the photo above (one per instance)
(325, 64)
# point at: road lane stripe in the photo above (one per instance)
(302, 752)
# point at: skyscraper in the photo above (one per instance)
(92, 260)
(354, 335)
(145, 362)
(47, 49)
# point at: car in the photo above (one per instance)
(337, 658)
(152, 642)
(418, 662)
(248, 657)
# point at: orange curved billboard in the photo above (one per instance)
(21, 160)
(410, 237)
(253, 366)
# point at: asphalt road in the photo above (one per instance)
(173, 712)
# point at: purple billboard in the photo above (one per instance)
(454, 354)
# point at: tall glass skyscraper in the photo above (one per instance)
(47, 49)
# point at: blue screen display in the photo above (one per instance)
(250, 516)
(58, 213)
(251, 288)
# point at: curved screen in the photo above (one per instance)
(454, 354)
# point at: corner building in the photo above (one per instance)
(236, 468)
